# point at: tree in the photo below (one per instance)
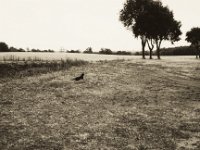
(152, 22)
(193, 36)
(4, 47)
(105, 51)
(167, 28)
(129, 14)
(157, 24)
(73, 51)
(13, 49)
(88, 50)
(123, 53)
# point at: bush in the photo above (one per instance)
(48, 51)
(88, 50)
(4, 47)
(105, 51)
(73, 51)
(140, 53)
(35, 50)
(123, 53)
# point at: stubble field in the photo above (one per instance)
(121, 104)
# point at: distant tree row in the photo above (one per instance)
(182, 50)
(153, 23)
(109, 51)
(13, 49)
(37, 50)
(4, 48)
(73, 51)
(102, 51)
(105, 51)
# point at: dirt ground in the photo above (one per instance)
(120, 105)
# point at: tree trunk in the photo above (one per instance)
(143, 51)
(150, 54)
(158, 43)
(158, 53)
(197, 52)
(143, 40)
(150, 48)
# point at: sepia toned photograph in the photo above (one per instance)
(99, 75)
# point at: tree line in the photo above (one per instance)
(5, 48)
(182, 50)
(106, 51)
(154, 23)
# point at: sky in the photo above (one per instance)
(78, 24)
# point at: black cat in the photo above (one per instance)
(79, 77)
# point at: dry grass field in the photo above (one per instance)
(120, 105)
(59, 55)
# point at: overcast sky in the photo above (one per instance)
(78, 24)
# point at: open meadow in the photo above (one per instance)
(129, 104)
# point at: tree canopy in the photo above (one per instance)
(4, 47)
(193, 36)
(88, 50)
(105, 51)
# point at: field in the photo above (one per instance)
(120, 105)
(58, 56)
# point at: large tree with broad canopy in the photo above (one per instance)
(150, 21)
